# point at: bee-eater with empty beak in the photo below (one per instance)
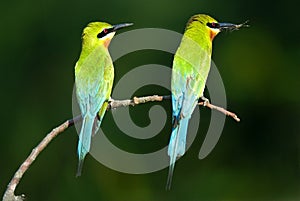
(94, 75)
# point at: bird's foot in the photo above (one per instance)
(110, 100)
(204, 100)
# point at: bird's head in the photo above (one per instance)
(101, 33)
(209, 26)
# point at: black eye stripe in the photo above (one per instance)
(104, 32)
(213, 25)
(101, 34)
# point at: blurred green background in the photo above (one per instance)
(256, 159)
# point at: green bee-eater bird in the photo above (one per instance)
(94, 75)
(191, 66)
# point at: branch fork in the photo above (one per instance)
(112, 104)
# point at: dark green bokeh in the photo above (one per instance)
(256, 159)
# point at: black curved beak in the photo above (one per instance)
(120, 26)
(231, 27)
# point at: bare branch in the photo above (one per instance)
(220, 109)
(9, 194)
(113, 104)
(206, 103)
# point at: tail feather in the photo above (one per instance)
(182, 133)
(171, 152)
(176, 147)
(84, 142)
(79, 168)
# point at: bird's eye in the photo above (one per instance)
(103, 33)
(213, 25)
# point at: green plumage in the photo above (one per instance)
(191, 66)
(192, 60)
(94, 75)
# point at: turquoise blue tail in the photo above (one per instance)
(84, 142)
(177, 146)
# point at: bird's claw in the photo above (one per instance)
(204, 100)
(110, 100)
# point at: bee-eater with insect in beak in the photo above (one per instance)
(191, 66)
(94, 75)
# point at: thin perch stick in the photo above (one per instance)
(9, 194)
(220, 109)
(113, 104)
